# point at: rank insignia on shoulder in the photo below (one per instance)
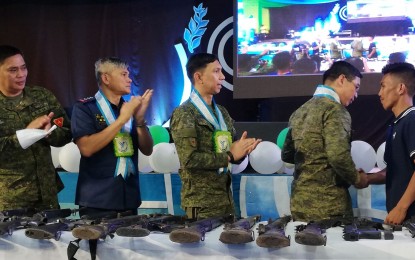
(58, 121)
(87, 99)
(100, 119)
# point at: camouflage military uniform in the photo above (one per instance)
(202, 186)
(319, 144)
(27, 176)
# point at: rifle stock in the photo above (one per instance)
(272, 235)
(239, 232)
(105, 228)
(54, 230)
(21, 220)
(163, 223)
(196, 231)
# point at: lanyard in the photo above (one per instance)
(124, 164)
(217, 122)
(326, 91)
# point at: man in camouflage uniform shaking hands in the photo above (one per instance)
(318, 143)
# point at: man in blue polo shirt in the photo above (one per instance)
(108, 131)
(397, 89)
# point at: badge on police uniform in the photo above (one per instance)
(123, 145)
(222, 141)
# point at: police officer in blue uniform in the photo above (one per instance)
(109, 131)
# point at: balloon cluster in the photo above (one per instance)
(265, 159)
(366, 158)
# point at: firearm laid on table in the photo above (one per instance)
(195, 231)
(54, 230)
(314, 232)
(272, 235)
(107, 227)
(239, 232)
(23, 218)
(154, 223)
(362, 228)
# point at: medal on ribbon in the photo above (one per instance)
(123, 145)
(222, 141)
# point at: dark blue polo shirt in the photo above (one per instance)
(399, 157)
(97, 186)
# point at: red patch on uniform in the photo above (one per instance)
(58, 121)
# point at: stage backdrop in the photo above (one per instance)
(62, 39)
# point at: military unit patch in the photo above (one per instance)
(58, 121)
(100, 119)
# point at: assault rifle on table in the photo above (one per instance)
(195, 231)
(158, 223)
(23, 220)
(239, 232)
(362, 228)
(54, 230)
(314, 232)
(106, 228)
(272, 235)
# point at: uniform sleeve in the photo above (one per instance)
(62, 134)
(188, 144)
(82, 121)
(336, 134)
(288, 149)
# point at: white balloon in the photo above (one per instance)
(69, 157)
(266, 158)
(164, 158)
(144, 163)
(238, 168)
(54, 152)
(379, 156)
(363, 155)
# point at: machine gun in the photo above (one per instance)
(106, 228)
(195, 231)
(362, 228)
(272, 235)
(239, 232)
(159, 223)
(41, 218)
(54, 230)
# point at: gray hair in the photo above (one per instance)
(106, 65)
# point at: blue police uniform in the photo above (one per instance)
(97, 186)
(399, 157)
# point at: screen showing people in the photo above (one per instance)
(317, 33)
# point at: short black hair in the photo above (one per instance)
(199, 61)
(341, 67)
(357, 62)
(7, 51)
(281, 60)
(395, 57)
(405, 72)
